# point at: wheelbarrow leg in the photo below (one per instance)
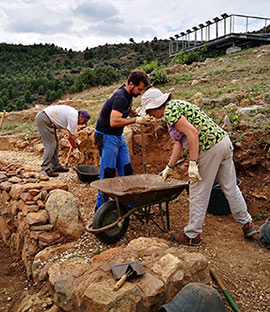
(168, 216)
(118, 206)
(140, 217)
(161, 215)
(147, 213)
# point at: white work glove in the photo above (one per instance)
(167, 172)
(193, 171)
(141, 120)
(138, 109)
(76, 153)
(76, 150)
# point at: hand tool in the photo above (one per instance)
(224, 290)
(124, 271)
(143, 150)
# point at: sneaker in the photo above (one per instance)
(248, 230)
(61, 169)
(52, 174)
(183, 239)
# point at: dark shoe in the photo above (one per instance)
(52, 174)
(183, 239)
(61, 169)
(248, 230)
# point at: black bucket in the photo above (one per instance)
(87, 173)
(218, 204)
(195, 297)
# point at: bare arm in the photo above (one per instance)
(71, 138)
(176, 154)
(192, 135)
(116, 119)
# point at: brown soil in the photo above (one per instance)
(242, 264)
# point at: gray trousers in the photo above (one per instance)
(49, 138)
(216, 163)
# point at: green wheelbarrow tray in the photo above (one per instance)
(140, 189)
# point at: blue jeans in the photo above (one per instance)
(114, 155)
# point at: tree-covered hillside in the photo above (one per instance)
(43, 73)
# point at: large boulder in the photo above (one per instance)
(62, 208)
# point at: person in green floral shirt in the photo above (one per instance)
(211, 157)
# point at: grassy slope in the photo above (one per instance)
(246, 73)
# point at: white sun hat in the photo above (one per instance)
(153, 98)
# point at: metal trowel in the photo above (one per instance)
(126, 270)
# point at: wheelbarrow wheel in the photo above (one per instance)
(106, 214)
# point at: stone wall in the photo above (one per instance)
(29, 219)
(85, 286)
(37, 214)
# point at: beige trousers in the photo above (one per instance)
(216, 163)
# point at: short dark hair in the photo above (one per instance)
(137, 76)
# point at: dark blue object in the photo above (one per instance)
(195, 297)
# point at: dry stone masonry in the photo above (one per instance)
(88, 285)
(38, 214)
(35, 211)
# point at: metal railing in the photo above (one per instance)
(219, 27)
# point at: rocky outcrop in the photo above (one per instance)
(24, 115)
(88, 286)
(32, 143)
(7, 142)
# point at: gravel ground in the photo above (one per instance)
(243, 266)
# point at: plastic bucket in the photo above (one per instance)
(195, 297)
(218, 204)
(87, 173)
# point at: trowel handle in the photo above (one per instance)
(120, 283)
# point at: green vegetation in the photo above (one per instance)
(189, 57)
(155, 71)
(234, 117)
(19, 128)
(40, 74)
(221, 82)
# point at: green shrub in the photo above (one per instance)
(28, 97)
(157, 74)
(106, 75)
(75, 71)
(148, 68)
(20, 105)
(86, 80)
(158, 77)
(188, 58)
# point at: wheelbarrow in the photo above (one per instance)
(134, 194)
